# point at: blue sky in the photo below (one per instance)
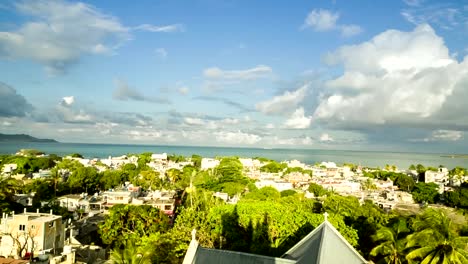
(292, 74)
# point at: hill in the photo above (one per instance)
(23, 138)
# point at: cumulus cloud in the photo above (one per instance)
(236, 138)
(257, 72)
(67, 101)
(396, 79)
(326, 137)
(321, 20)
(60, 33)
(298, 120)
(13, 104)
(284, 103)
(124, 92)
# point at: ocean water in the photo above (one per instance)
(309, 156)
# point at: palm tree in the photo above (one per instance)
(435, 240)
(392, 246)
(130, 254)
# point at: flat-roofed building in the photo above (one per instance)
(35, 232)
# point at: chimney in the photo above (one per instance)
(50, 211)
(24, 210)
(37, 210)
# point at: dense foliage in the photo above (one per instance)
(264, 221)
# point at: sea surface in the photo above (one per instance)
(310, 156)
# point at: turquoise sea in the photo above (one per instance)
(309, 156)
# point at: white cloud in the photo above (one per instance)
(237, 138)
(322, 20)
(257, 72)
(194, 121)
(270, 126)
(326, 137)
(396, 78)
(166, 29)
(298, 120)
(350, 30)
(67, 100)
(61, 32)
(283, 103)
(161, 52)
(445, 135)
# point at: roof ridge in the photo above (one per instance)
(342, 238)
(298, 244)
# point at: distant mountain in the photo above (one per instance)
(23, 138)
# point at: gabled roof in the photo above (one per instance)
(207, 256)
(197, 254)
(324, 245)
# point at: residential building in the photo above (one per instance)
(41, 232)
(278, 185)
(208, 163)
(439, 176)
(9, 168)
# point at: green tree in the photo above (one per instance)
(391, 243)
(404, 182)
(288, 193)
(130, 254)
(83, 179)
(317, 189)
(435, 240)
(130, 222)
(425, 192)
(273, 167)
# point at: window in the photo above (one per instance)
(167, 207)
(22, 227)
(33, 227)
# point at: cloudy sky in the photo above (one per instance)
(330, 74)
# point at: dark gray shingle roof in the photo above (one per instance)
(324, 245)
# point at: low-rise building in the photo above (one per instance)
(278, 185)
(439, 176)
(9, 168)
(208, 163)
(35, 232)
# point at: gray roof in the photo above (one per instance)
(324, 245)
(207, 256)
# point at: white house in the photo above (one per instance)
(208, 163)
(280, 186)
(43, 232)
(439, 176)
